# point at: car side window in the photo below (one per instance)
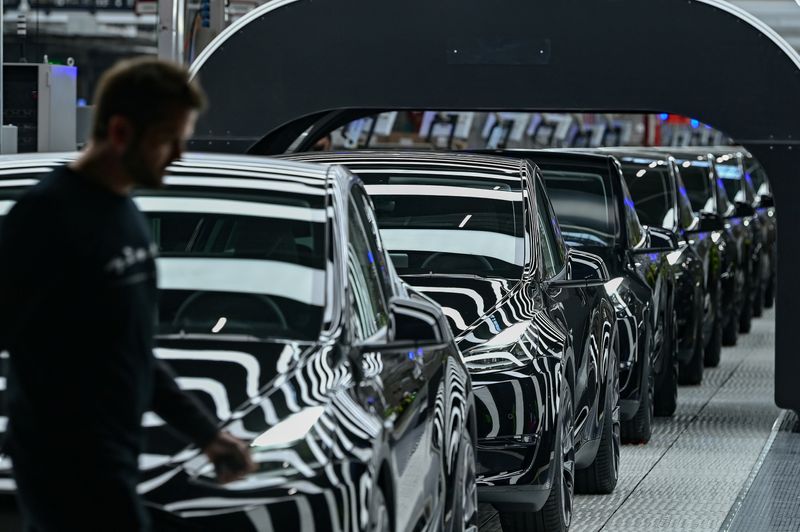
(553, 254)
(368, 309)
(634, 228)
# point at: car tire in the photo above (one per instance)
(691, 372)
(746, 312)
(666, 393)
(556, 514)
(601, 477)
(758, 302)
(465, 498)
(713, 348)
(380, 519)
(639, 429)
(730, 333)
(769, 292)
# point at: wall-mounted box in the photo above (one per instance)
(40, 100)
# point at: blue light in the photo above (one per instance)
(663, 116)
(420, 352)
(371, 258)
(629, 203)
(411, 355)
(695, 123)
(81, 102)
(682, 191)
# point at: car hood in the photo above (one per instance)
(464, 299)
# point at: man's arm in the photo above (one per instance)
(231, 457)
(179, 409)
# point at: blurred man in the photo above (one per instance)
(78, 289)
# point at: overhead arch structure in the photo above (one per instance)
(289, 62)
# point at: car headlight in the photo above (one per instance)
(289, 431)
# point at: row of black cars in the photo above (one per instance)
(399, 334)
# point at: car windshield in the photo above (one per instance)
(240, 264)
(450, 224)
(649, 183)
(582, 201)
(696, 179)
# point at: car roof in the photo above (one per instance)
(209, 164)
(431, 159)
(552, 155)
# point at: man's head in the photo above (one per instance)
(145, 111)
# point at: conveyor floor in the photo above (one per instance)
(693, 470)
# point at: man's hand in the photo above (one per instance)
(230, 456)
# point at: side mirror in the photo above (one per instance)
(584, 266)
(659, 240)
(744, 210)
(766, 201)
(710, 222)
(412, 324)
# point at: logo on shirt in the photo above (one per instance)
(131, 257)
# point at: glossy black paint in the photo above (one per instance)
(745, 226)
(381, 390)
(643, 285)
(708, 200)
(693, 266)
(767, 214)
(522, 337)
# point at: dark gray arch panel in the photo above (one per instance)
(294, 58)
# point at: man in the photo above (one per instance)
(78, 293)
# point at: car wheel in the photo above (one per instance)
(465, 500)
(601, 477)
(713, 348)
(639, 429)
(758, 302)
(769, 292)
(666, 394)
(556, 514)
(746, 313)
(380, 522)
(730, 333)
(691, 372)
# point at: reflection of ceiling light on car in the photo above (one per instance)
(220, 324)
(686, 164)
(640, 173)
(290, 430)
(465, 220)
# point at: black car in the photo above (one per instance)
(596, 214)
(746, 226)
(661, 200)
(532, 318)
(280, 310)
(709, 201)
(765, 207)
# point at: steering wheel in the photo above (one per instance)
(457, 261)
(209, 306)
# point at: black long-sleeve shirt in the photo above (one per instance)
(77, 314)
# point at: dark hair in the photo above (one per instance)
(145, 91)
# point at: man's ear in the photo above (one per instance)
(120, 133)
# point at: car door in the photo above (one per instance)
(401, 385)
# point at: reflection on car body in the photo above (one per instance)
(476, 233)
(281, 312)
(596, 213)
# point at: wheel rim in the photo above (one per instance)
(567, 464)
(469, 489)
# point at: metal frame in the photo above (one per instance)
(706, 59)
